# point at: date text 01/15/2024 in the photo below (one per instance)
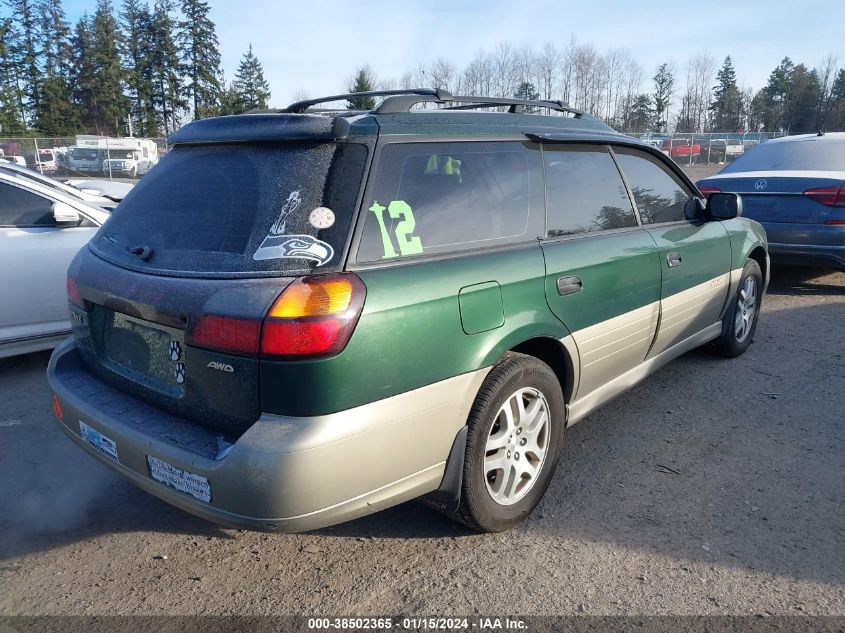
(418, 624)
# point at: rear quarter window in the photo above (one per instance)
(435, 198)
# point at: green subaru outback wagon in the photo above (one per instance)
(302, 317)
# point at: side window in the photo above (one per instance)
(19, 207)
(584, 191)
(659, 195)
(432, 198)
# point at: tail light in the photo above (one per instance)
(704, 189)
(74, 295)
(313, 317)
(225, 334)
(828, 196)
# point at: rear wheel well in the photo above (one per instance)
(759, 256)
(551, 352)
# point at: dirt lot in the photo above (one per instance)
(715, 487)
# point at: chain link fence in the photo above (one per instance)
(127, 159)
(696, 148)
(85, 157)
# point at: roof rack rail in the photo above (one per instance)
(403, 100)
(516, 105)
(429, 94)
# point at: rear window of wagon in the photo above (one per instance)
(238, 210)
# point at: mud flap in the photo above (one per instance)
(447, 497)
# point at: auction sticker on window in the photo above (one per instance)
(195, 485)
(100, 442)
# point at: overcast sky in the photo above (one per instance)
(315, 46)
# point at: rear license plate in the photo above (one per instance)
(100, 442)
(147, 352)
(195, 485)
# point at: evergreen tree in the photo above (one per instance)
(168, 93)
(112, 107)
(200, 58)
(84, 76)
(803, 101)
(229, 98)
(11, 117)
(55, 114)
(527, 90)
(363, 81)
(253, 90)
(641, 116)
(663, 85)
(55, 30)
(726, 107)
(774, 95)
(136, 22)
(21, 42)
(837, 93)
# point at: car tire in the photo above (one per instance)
(740, 322)
(502, 485)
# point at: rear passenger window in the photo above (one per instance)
(659, 195)
(19, 207)
(584, 191)
(432, 198)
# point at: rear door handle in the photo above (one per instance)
(569, 285)
(674, 259)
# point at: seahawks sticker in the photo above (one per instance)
(277, 245)
(284, 246)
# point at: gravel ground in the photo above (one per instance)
(714, 487)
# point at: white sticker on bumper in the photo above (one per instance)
(195, 485)
(100, 442)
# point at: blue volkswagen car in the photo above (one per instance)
(795, 187)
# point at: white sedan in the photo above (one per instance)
(42, 227)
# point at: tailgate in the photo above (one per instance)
(136, 337)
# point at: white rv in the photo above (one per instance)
(85, 155)
(131, 156)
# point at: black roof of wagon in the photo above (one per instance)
(396, 115)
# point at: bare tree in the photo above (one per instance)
(548, 63)
(442, 75)
(695, 104)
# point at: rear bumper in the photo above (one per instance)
(807, 244)
(284, 474)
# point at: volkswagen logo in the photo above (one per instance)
(761, 184)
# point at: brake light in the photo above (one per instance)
(704, 189)
(313, 317)
(226, 334)
(828, 196)
(835, 222)
(74, 295)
